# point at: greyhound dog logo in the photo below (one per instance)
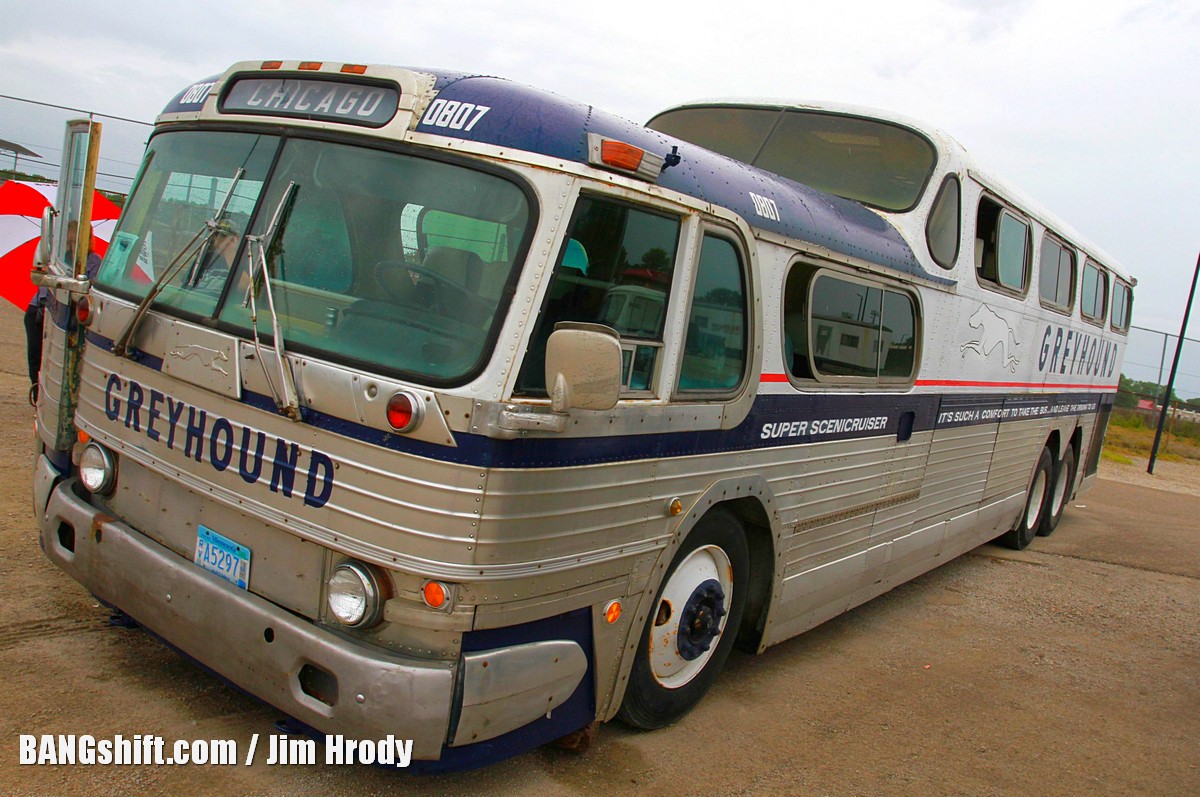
(209, 358)
(993, 331)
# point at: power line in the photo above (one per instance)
(75, 110)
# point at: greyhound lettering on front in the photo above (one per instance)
(993, 331)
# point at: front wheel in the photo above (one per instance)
(1035, 505)
(1060, 496)
(692, 624)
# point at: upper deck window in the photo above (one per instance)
(1001, 247)
(1093, 301)
(1056, 280)
(1122, 307)
(874, 162)
(944, 226)
(389, 262)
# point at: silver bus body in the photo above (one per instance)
(552, 533)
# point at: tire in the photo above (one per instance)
(1060, 493)
(704, 590)
(1035, 505)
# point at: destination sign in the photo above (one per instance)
(307, 98)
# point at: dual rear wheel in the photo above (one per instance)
(1049, 492)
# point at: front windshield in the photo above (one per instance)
(390, 262)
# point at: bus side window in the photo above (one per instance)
(862, 330)
(714, 355)
(616, 269)
(795, 321)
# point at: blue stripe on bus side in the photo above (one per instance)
(774, 420)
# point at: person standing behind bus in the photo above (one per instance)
(35, 313)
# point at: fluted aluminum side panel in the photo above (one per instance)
(956, 474)
(559, 513)
(1018, 444)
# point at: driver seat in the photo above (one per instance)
(459, 267)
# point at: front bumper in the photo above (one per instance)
(322, 679)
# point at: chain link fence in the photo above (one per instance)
(1148, 359)
(31, 143)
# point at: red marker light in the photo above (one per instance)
(404, 411)
(83, 311)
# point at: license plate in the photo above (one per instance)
(223, 557)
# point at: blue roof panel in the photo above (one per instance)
(529, 119)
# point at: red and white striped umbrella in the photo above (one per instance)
(21, 206)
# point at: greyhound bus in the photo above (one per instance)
(430, 405)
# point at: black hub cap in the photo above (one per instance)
(700, 622)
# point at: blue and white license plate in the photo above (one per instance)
(223, 557)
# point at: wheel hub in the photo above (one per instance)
(700, 621)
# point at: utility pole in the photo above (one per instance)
(1166, 402)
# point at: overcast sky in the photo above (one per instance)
(1091, 108)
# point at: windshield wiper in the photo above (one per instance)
(286, 399)
(204, 237)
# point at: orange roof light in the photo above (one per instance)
(620, 155)
(272, 64)
(310, 66)
(354, 69)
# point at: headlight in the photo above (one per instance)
(97, 469)
(355, 598)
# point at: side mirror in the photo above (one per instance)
(45, 247)
(583, 367)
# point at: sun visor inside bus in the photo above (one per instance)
(382, 174)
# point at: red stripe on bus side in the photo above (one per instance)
(772, 378)
(1040, 385)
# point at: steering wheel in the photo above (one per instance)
(430, 291)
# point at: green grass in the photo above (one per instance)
(1112, 456)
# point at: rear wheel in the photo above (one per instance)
(692, 624)
(1035, 505)
(1064, 477)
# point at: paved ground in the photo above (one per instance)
(1069, 669)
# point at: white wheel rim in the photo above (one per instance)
(1037, 493)
(1060, 486)
(670, 667)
